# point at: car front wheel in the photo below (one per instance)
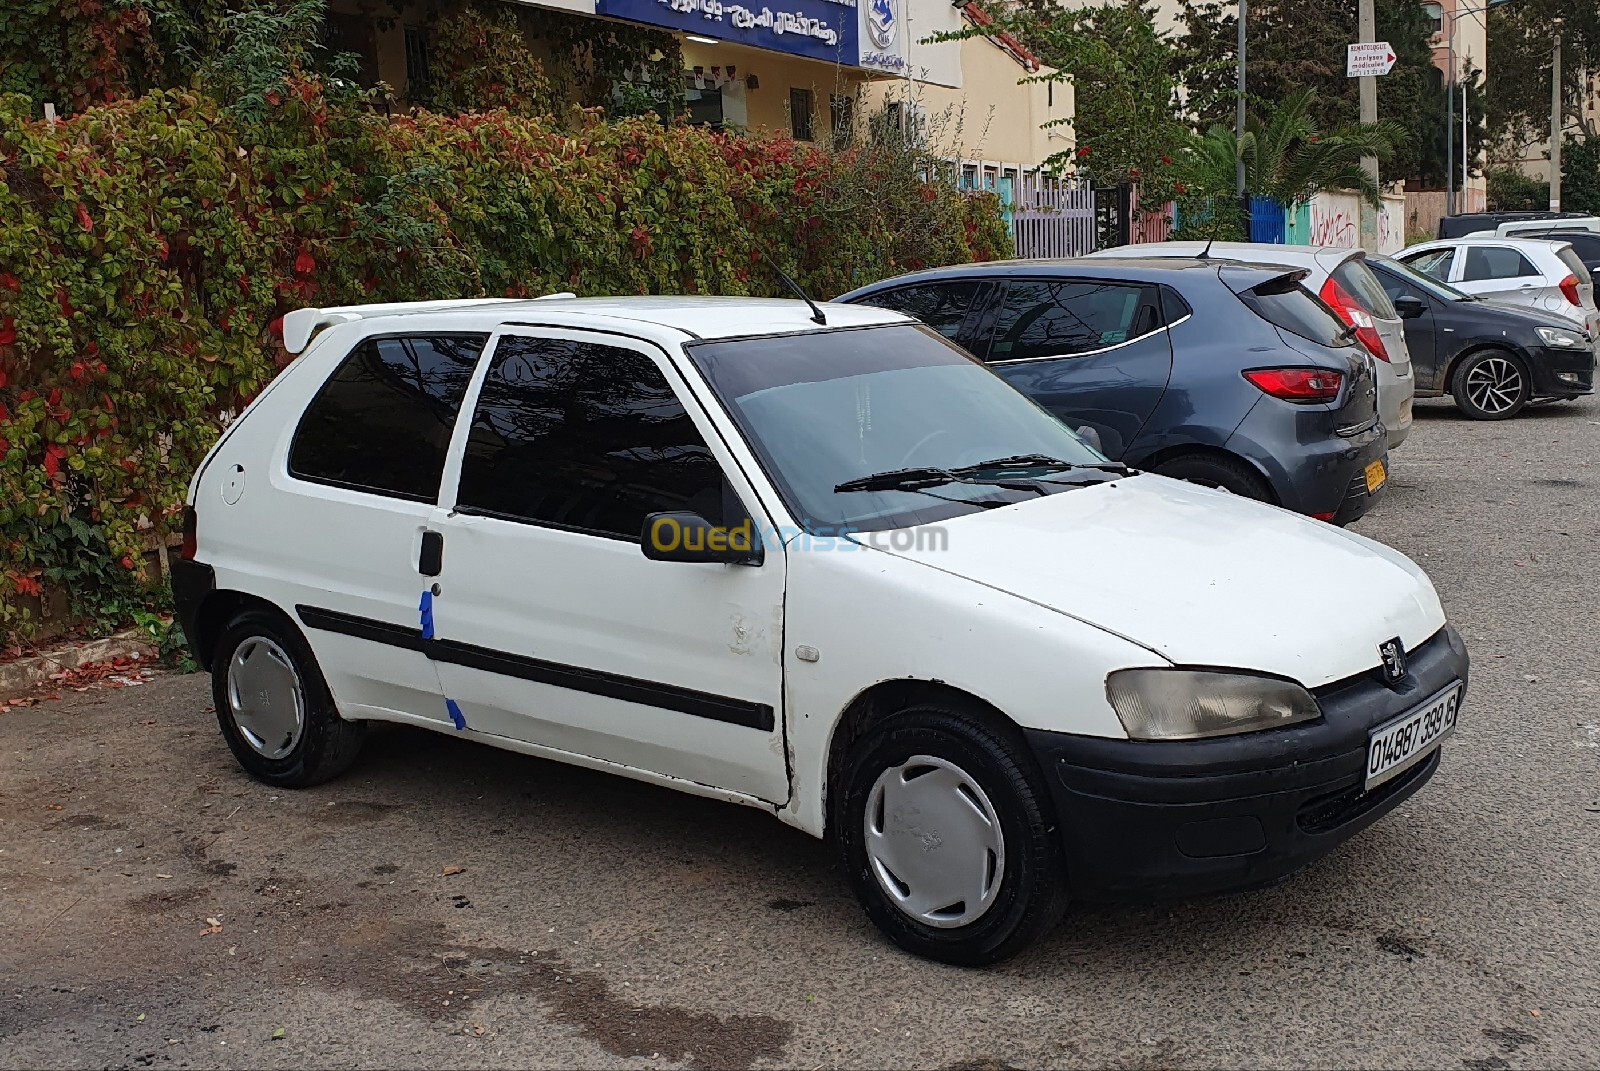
(1225, 473)
(949, 837)
(1491, 385)
(274, 707)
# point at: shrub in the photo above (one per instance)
(1509, 190)
(149, 247)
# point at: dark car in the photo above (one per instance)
(1584, 243)
(1222, 373)
(1465, 223)
(1492, 358)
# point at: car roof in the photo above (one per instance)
(1299, 256)
(692, 317)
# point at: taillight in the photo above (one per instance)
(1569, 290)
(1297, 384)
(191, 536)
(1351, 312)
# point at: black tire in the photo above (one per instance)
(1491, 385)
(1029, 892)
(1211, 470)
(326, 744)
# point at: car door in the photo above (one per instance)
(1421, 331)
(552, 628)
(1093, 352)
(1500, 271)
(364, 469)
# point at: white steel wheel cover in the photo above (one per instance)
(265, 698)
(934, 842)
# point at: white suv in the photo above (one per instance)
(812, 560)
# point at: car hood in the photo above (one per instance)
(1523, 314)
(1198, 576)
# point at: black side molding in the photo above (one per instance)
(557, 674)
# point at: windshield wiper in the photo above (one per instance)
(1041, 461)
(922, 478)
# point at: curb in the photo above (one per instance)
(24, 674)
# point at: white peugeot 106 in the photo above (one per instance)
(817, 561)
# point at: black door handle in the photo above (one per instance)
(431, 561)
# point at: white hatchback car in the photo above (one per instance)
(1341, 278)
(836, 570)
(1541, 273)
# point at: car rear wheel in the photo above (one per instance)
(1226, 473)
(274, 707)
(1491, 385)
(948, 836)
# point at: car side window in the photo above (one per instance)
(1495, 262)
(1044, 318)
(942, 306)
(382, 421)
(1434, 262)
(1396, 287)
(584, 436)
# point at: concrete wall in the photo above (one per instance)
(991, 117)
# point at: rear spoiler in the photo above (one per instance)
(301, 325)
(1242, 277)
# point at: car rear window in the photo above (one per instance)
(942, 306)
(382, 421)
(1359, 282)
(1285, 304)
(1574, 263)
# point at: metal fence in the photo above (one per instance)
(1053, 217)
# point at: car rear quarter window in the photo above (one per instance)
(583, 436)
(382, 421)
(1047, 318)
(1488, 262)
(1360, 283)
(942, 306)
(1284, 303)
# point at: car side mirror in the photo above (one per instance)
(1409, 306)
(685, 536)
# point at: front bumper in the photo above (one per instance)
(1142, 820)
(1550, 364)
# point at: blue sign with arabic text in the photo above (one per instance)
(820, 29)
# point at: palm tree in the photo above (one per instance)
(1288, 159)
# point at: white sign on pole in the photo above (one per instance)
(1368, 58)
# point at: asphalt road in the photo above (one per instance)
(600, 922)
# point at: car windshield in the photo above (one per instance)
(1442, 291)
(823, 408)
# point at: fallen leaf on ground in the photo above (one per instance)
(277, 1035)
(447, 872)
(139, 1018)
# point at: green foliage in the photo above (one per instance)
(1512, 191)
(1520, 37)
(1295, 45)
(1580, 174)
(149, 247)
(480, 60)
(1286, 157)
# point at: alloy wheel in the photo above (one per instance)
(1494, 385)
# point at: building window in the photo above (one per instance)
(418, 79)
(1434, 13)
(352, 35)
(842, 112)
(703, 106)
(800, 114)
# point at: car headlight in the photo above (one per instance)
(1563, 339)
(1188, 704)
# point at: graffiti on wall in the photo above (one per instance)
(1332, 225)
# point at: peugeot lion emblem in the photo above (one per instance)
(880, 22)
(1393, 653)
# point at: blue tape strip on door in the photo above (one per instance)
(455, 713)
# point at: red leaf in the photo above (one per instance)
(275, 328)
(8, 331)
(304, 264)
(52, 465)
(55, 397)
(9, 281)
(64, 301)
(77, 370)
(83, 219)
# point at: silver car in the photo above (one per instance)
(1541, 273)
(1342, 279)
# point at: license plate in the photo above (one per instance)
(1396, 746)
(1375, 475)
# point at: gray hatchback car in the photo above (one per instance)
(1226, 374)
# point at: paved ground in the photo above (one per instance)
(604, 923)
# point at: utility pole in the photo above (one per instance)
(1555, 120)
(1366, 31)
(1238, 127)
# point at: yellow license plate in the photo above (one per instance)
(1375, 475)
